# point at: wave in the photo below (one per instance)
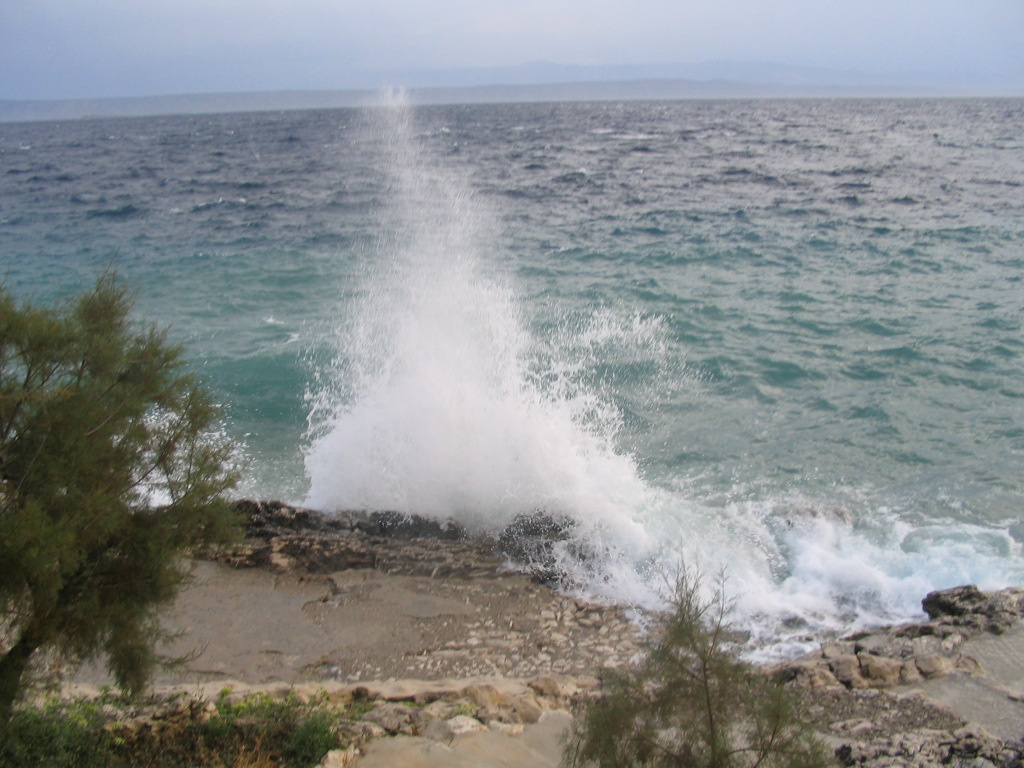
(445, 399)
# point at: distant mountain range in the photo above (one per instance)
(542, 81)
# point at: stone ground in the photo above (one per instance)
(353, 608)
(265, 627)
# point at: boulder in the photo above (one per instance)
(847, 671)
(933, 665)
(397, 718)
(484, 695)
(880, 671)
(958, 601)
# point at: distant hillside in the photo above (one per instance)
(801, 84)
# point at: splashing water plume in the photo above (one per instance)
(441, 403)
(447, 414)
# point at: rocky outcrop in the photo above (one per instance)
(862, 691)
(909, 653)
(899, 726)
(967, 746)
(975, 611)
(287, 538)
(470, 609)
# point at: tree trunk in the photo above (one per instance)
(12, 669)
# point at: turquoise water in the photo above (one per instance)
(780, 338)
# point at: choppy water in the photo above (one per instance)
(779, 337)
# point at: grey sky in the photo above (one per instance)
(95, 48)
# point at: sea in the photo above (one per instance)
(776, 342)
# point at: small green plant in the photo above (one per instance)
(691, 703)
(58, 735)
(466, 708)
(257, 731)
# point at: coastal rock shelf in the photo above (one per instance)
(947, 691)
(405, 597)
(294, 539)
(453, 641)
(910, 653)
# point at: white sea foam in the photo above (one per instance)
(439, 404)
(442, 403)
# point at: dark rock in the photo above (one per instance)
(538, 541)
(531, 537)
(288, 538)
(958, 601)
(413, 526)
(397, 718)
(975, 610)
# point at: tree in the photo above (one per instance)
(109, 475)
(690, 702)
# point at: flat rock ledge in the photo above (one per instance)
(895, 696)
(479, 604)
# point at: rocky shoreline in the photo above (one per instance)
(478, 615)
(452, 647)
(908, 654)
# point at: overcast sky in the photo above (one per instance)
(93, 48)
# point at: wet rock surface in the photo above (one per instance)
(285, 538)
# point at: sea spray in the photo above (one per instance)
(447, 399)
(440, 402)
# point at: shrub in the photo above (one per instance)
(690, 702)
(108, 476)
(255, 732)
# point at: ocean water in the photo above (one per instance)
(778, 340)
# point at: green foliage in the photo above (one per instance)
(108, 476)
(691, 703)
(57, 736)
(86, 733)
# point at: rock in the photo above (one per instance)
(909, 673)
(531, 540)
(933, 665)
(836, 649)
(968, 664)
(880, 672)
(440, 710)
(925, 645)
(553, 687)
(484, 695)
(396, 524)
(493, 715)
(461, 724)
(368, 731)
(847, 671)
(507, 729)
(294, 539)
(446, 730)
(958, 601)
(991, 611)
(527, 708)
(882, 644)
(338, 758)
(808, 672)
(396, 718)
